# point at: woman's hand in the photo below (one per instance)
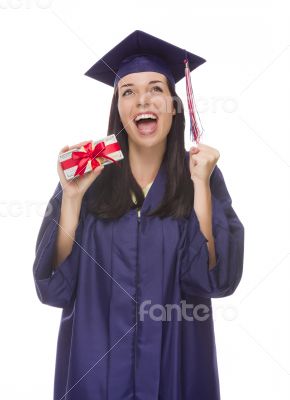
(202, 160)
(77, 187)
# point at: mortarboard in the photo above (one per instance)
(140, 52)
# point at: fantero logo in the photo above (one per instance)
(169, 312)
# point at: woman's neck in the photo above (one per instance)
(145, 162)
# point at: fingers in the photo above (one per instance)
(194, 160)
(87, 179)
(194, 150)
(98, 169)
(65, 148)
(80, 144)
(205, 148)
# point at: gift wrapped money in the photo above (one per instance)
(79, 161)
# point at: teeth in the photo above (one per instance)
(145, 116)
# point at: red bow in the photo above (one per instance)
(81, 158)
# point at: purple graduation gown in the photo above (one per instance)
(104, 351)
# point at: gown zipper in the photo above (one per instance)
(136, 299)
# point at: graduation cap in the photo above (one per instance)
(140, 52)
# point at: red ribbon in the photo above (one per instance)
(81, 158)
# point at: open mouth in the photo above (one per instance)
(146, 123)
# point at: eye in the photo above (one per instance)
(126, 91)
(158, 88)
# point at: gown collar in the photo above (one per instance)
(156, 191)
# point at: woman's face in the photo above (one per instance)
(146, 107)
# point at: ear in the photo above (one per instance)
(174, 111)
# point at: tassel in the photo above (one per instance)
(196, 129)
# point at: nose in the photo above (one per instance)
(143, 99)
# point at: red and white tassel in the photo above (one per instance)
(195, 125)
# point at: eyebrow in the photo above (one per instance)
(131, 84)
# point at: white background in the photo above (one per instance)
(242, 94)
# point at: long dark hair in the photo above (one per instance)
(109, 196)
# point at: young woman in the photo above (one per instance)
(133, 254)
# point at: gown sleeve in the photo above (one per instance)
(56, 287)
(222, 280)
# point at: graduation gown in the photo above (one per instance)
(105, 350)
